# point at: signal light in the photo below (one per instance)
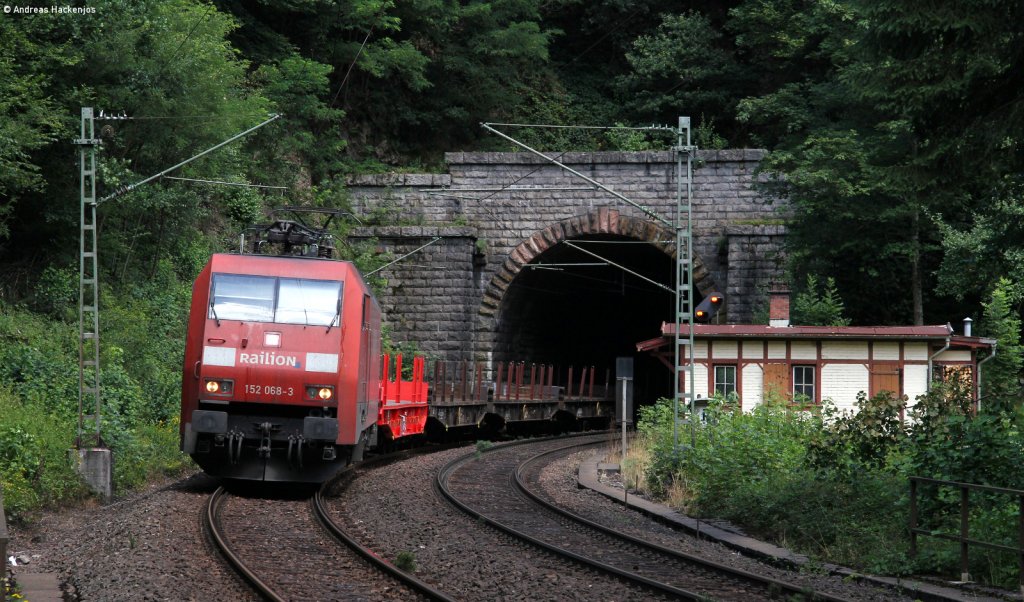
(707, 308)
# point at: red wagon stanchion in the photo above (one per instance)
(403, 403)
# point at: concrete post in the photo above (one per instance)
(95, 466)
(3, 535)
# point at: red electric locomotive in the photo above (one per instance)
(282, 372)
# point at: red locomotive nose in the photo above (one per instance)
(275, 386)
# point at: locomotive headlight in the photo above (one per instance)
(320, 392)
(219, 387)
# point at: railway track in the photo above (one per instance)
(493, 488)
(280, 547)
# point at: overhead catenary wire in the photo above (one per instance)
(515, 284)
(416, 250)
(208, 117)
(352, 65)
(494, 216)
(552, 126)
(223, 183)
(618, 25)
(623, 242)
(124, 189)
(554, 161)
(174, 54)
(623, 268)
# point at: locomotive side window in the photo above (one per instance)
(311, 302)
(279, 300)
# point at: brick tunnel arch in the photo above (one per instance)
(540, 307)
(602, 221)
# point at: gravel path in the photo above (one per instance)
(147, 546)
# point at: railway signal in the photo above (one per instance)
(707, 308)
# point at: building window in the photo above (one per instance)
(803, 383)
(725, 380)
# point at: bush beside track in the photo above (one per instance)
(835, 487)
(141, 358)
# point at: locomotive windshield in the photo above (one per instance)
(279, 300)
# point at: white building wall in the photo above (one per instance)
(954, 356)
(915, 382)
(753, 386)
(844, 350)
(725, 350)
(777, 350)
(700, 349)
(803, 350)
(753, 350)
(700, 374)
(915, 351)
(884, 350)
(842, 382)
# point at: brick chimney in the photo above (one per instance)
(778, 305)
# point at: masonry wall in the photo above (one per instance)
(488, 204)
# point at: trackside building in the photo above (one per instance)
(809, 364)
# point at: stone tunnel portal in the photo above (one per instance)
(568, 307)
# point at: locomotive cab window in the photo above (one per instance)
(278, 300)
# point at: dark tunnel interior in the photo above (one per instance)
(570, 308)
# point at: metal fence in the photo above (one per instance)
(963, 537)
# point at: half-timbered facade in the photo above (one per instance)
(812, 363)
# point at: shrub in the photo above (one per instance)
(39, 395)
(736, 448)
(834, 486)
(869, 438)
(34, 465)
(655, 430)
(855, 520)
(406, 561)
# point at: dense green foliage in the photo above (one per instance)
(894, 128)
(39, 398)
(894, 132)
(814, 307)
(835, 485)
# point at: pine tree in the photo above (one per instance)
(1000, 384)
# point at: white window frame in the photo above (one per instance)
(800, 389)
(725, 383)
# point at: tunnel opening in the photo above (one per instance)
(567, 307)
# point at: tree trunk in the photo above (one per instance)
(915, 271)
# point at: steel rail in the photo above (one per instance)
(441, 486)
(769, 583)
(212, 524)
(322, 514)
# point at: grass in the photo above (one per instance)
(406, 561)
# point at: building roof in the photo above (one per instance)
(938, 332)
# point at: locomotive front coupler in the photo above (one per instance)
(266, 429)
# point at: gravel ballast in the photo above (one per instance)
(150, 545)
